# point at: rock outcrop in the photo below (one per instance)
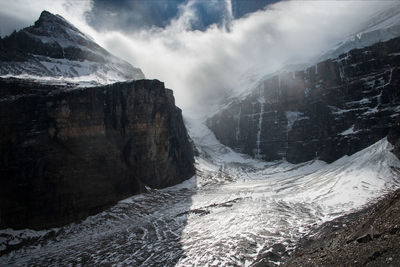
(394, 137)
(329, 110)
(370, 237)
(67, 152)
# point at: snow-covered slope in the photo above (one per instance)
(54, 49)
(381, 27)
(259, 205)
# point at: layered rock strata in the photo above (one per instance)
(67, 152)
(334, 108)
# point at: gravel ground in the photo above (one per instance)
(370, 237)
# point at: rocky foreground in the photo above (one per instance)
(370, 237)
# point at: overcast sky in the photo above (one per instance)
(204, 49)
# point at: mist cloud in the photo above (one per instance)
(204, 66)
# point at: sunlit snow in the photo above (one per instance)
(234, 209)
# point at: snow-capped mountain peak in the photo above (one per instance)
(55, 49)
(55, 26)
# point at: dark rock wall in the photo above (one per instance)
(394, 137)
(66, 153)
(334, 108)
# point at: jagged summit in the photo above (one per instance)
(53, 48)
(55, 26)
(47, 17)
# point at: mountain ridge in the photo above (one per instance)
(82, 130)
(328, 110)
(53, 48)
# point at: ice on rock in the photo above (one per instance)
(292, 117)
(261, 100)
(349, 131)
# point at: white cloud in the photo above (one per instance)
(203, 66)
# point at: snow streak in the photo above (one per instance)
(261, 100)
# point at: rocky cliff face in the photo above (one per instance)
(67, 152)
(334, 108)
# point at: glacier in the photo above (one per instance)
(234, 210)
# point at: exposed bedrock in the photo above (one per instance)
(67, 152)
(332, 109)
